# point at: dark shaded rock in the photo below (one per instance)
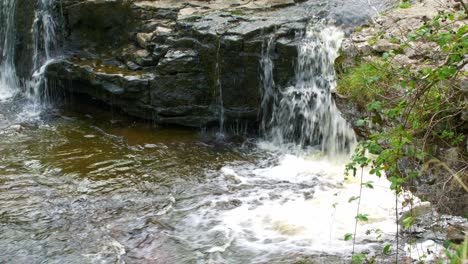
(179, 61)
(98, 24)
(24, 19)
(352, 112)
(170, 61)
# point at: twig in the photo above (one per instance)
(464, 6)
(397, 226)
(358, 207)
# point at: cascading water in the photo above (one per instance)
(304, 113)
(268, 84)
(44, 50)
(45, 47)
(138, 195)
(291, 202)
(8, 78)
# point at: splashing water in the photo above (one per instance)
(8, 78)
(294, 201)
(45, 47)
(305, 113)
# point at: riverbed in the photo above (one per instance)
(85, 184)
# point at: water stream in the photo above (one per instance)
(82, 185)
(304, 113)
(8, 79)
(45, 51)
(219, 89)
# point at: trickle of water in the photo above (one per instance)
(219, 86)
(304, 113)
(8, 79)
(268, 89)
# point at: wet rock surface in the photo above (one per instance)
(170, 61)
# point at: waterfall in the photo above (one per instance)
(304, 114)
(45, 47)
(8, 78)
(44, 51)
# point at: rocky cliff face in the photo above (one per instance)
(389, 32)
(179, 62)
(173, 61)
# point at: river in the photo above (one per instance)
(83, 183)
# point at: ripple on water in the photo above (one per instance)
(139, 195)
(69, 197)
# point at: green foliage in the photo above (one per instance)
(373, 40)
(358, 29)
(362, 217)
(353, 198)
(455, 254)
(404, 5)
(366, 82)
(358, 258)
(348, 236)
(426, 105)
(420, 106)
(368, 185)
(386, 249)
(408, 222)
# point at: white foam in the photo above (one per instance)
(301, 204)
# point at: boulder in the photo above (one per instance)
(384, 45)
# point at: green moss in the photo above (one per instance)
(358, 29)
(238, 12)
(404, 5)
(99, 67)
(373, 40)
(366, 82)
(394, 40)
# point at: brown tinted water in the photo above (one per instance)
(81, 187)
(88, 185)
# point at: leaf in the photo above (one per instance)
(444, 38)
(353, 198)
(361, 122)
(375, 105)
(373, 147)
(378, 173)
(408, 222)
(386, 249)
(385, 56)
(461, 31)
(446, 244)
(368, 184)
(348, 236)
(362, 217)
(358, 258)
